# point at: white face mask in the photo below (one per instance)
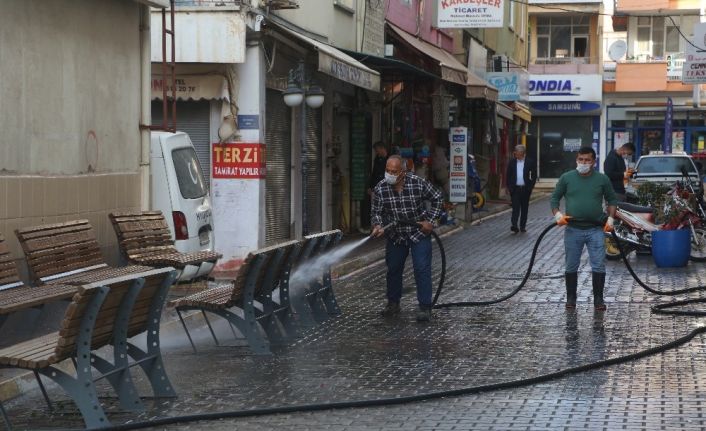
(390, 179)
(583, 168)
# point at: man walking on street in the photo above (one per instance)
(584, 190)
(614, 166)
(378, 172)
(401, 197)
(521, 176)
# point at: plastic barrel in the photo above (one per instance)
(671, 248)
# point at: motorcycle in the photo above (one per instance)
(634, 225)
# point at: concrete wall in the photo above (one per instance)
(338, 25)
(69, 112)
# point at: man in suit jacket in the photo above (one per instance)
(521, 176)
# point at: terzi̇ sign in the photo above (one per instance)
(469, 13)
(238, 160)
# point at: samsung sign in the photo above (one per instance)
(548, 88)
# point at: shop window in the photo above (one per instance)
(562, 39)
(559, 141)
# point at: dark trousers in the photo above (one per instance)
(520, 205)
(395, 257)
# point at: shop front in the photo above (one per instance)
(565, 117)
(646, 127)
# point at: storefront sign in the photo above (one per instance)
(349, 73)
(566, 107)
(675, 65)
(565, 87)
(374, 28)
(458, 137)
(512, 86)
(469, 13)
(694, 69)
(238, 160)
(194, 87)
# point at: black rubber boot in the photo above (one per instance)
(598, 284)
(572, 280)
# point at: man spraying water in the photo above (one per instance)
(401, 196)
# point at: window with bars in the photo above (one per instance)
(563, 37)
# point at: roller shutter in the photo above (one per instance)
(193, 118)
(278, 153)
(313, 170)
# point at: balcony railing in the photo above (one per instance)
(562, 60)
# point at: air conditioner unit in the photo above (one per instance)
(500, 63)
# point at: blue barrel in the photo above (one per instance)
(671, 248)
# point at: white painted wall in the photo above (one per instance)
(69, 87)
(323, 18)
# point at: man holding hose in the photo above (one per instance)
(584, 190)
(401, 196)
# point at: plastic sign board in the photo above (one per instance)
(694, 68)
(469, 13)
(458, 137)
(238, 160)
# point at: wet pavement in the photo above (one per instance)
(360, 356)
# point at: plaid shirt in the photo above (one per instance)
(389, 205)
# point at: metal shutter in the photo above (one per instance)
(193, 118)
(313, 170)
(278, 153)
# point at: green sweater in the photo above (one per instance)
(584, 196)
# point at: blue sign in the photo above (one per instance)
(667, 145)
(512, 86)
(564, 107)
(248, 122)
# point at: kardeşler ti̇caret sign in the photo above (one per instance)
(469, 13)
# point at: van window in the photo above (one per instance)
(188, 172)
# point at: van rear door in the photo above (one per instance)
(192, 216)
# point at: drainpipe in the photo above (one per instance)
(145, 105)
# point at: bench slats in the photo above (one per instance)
(8, 267)
(59, 247)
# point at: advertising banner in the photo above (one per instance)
(458, 137)
(694, 68)
(469, 13)
(668, 115)
(238, 160)
(559, 88)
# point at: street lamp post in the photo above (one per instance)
(297, 88)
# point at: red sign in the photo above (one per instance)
(238, 160)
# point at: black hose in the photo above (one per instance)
(662, 308)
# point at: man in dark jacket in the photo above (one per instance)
(614, 167)
(521, 176)
(378, 172)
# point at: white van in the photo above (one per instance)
(181, 193)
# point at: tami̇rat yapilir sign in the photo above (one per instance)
(469, 13)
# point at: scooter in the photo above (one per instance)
(634, 225)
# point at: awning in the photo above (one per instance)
(503, 110)
(390, 65)
(479, 88)
(522, 112)
(451, 69)
(334, 62)
(193, 87)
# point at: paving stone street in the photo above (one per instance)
(361, 356)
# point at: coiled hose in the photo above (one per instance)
(662, 308)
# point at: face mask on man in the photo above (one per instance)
(583, 168)
(390, 179)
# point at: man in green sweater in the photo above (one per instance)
(584, 190)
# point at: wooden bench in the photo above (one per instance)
(67, 253)
(145, 239)
(318, 302)
(262, 272)
(15, 295)
(102, 313)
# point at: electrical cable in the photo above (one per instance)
(662, 308)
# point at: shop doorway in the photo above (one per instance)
(697, 141)
(649, 140)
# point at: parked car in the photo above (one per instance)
(663, 169)
(180, 191)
